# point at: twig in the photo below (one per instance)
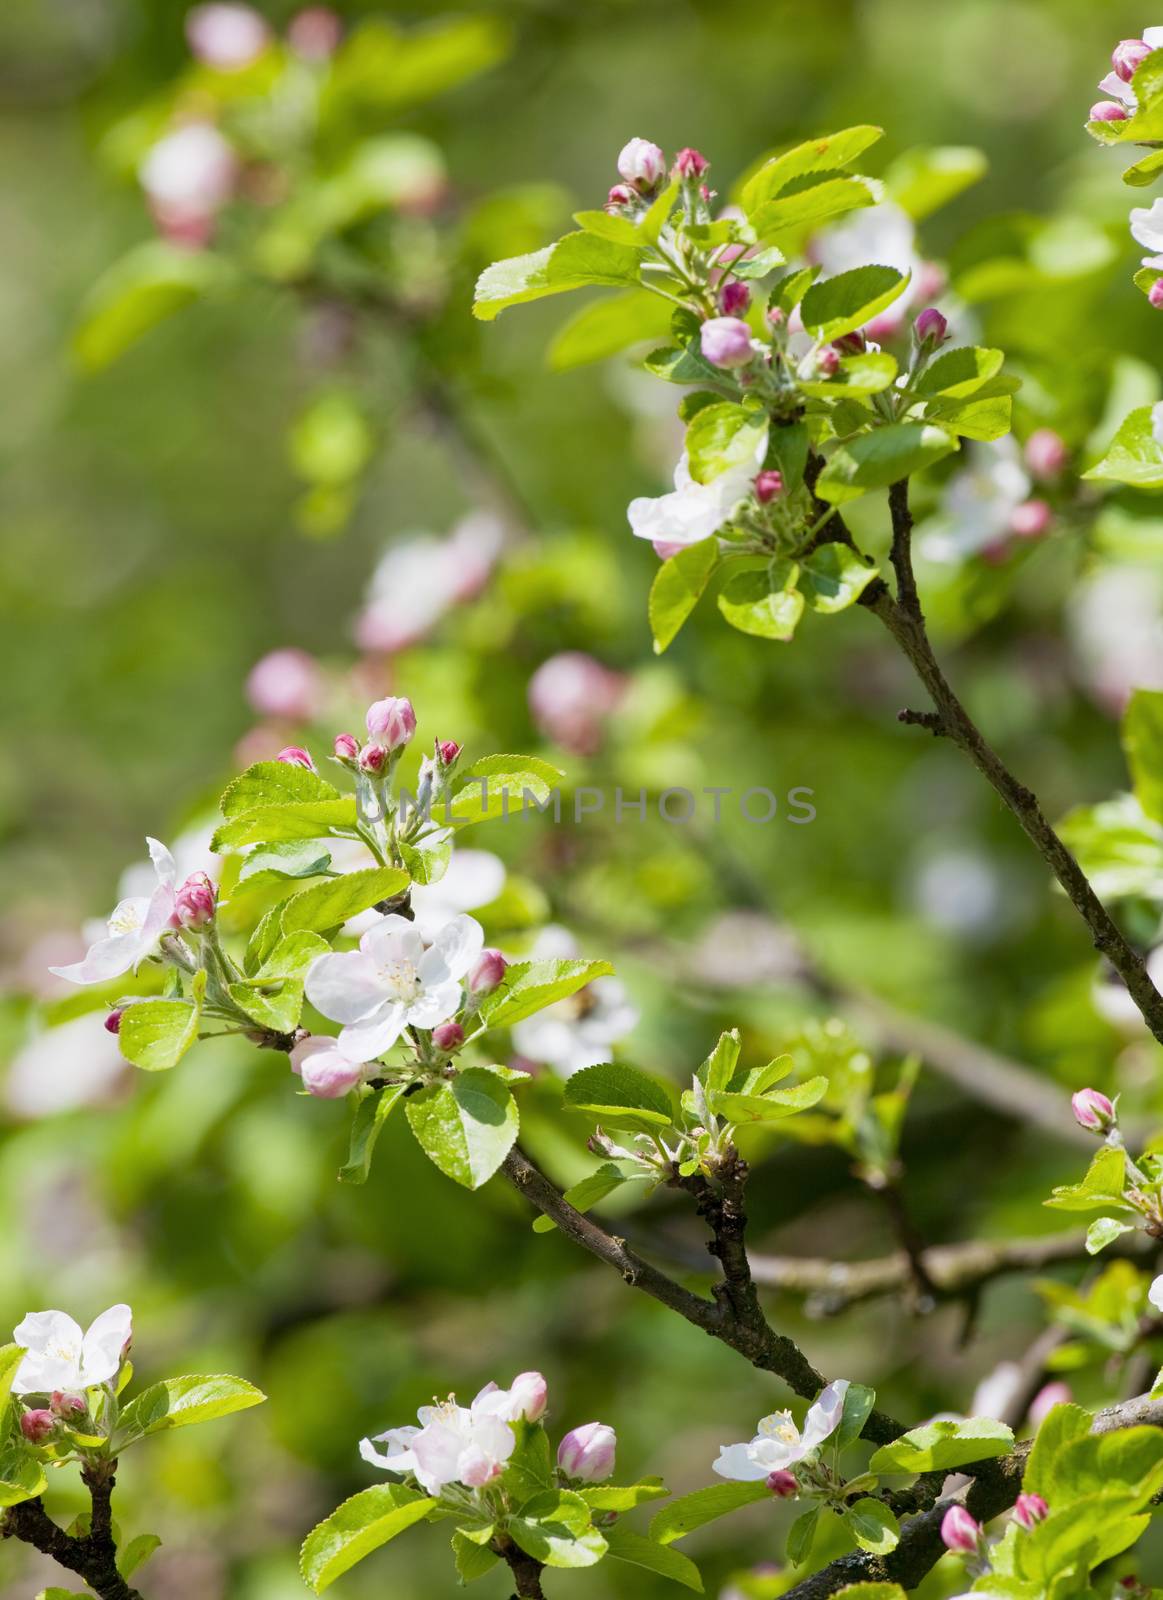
(92, 1555)
(526, 1570)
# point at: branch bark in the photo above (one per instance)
(93, 1555)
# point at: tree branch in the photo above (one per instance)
(526, 1570)
(734, 1316)
(93, 1555)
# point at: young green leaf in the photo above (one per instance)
(873, 1526)
(181, 1402)
(959, 372)
(797, 210)
(150, 283)
(371, 1114)
(572, 263)
(607, 327)
(625, 1545)
(273, 783)
(494, 786)
(530, 986)
(801, 1536)
(691, 1511)
(588, 1193)
(722, 436)
(136, 1553)
(21, 1476)
(1134, 456)
(833, 577)
(842, 304)
(867, 373)
(466, 1126)
(555, 1528)
(614, 1497)
(1103, 1231)
(760, 598)
(923, 180)
(828, 154)
(155, 1034)
(884, 456)
(360, 1525)
(620, 1097)
(1143, 743)
(472, 1560)
(300, 858)
(941, 1446)
(276, 824)
(1102, 1186)
(329, 904)
(677, 587)
(858, 1403)
(771, 1107)
(718, 1070)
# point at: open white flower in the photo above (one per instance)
(1147, 230)
(453, 1444)
(779, 1444)
(578, 1031)
(694, 511)
(61, 1356)
(1155, 1294)
(978, 503)
(133, 930)
(393, 982)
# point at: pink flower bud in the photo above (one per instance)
(1108, 111)
(783, 1485)
(188, 176)
(619, 197)
(37, 1426)
(776, 317)
(931, 328)
(392, 722)
(726, 342)
(346, 747)
(1031, 520)
(1128, 55)
(850, 344)
(586, 1454)
(487, 972)
(195, 901)
(531, 1394)
(734, 298)
(1047, 1397)
(287, 684)
(690, 164)
(447, 750)
(1046, 453)
(325, 1071)
(959, 1532)
(767, 486)
(449, 1036)
(1093, 1111)
(1155, 294)
(113, 1020)
(827, 362)
(68, 1406)
(1030, 1510)
(228, 37)
(642, 164)
(293, 755)
(315, 33)
(373, 758)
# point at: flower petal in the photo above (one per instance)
(737, 1463)
(345, 986)
(163, 862)
(458, 944)
(393, 938)
(824, 1414)
(104, 1345)
(370, 1036)
(53, 1341)
(106, 959)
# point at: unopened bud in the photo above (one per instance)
(619, 197)
(38, 1426)
(295, 756)
(1155, 294)
(392, 722)
(326, 1072)
(931, 328)
(346, 748)
(734, 298)
(726, 342)
(690, 164)
(959, 1532)
(851, 344)
(68, 1407)
(1046, 453)
(488, 971)
(1093, 1111)
(530, 1394)
(1031, 519)
(642, 164)
(1108, 111)
(1030, 1510)
(783, 1484)
(776, 317)
(194, 902)
(447, 750)
(449, 1036)
(372, 758)
(767, 486)
(586, 1454)
(113, 1020)
(1128, 55)
(824, 363)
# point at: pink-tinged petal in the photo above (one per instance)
(370, 1036)
(106, 959)
(435, 1005)
(1113, 85)
(475, 1468)
(823, 1417)
(105, 1344)
(736, 1462)
(157, 918)
(459, 943)
(393, 938)
(398, 1456)
(437, 1450)
(163, 862)
(344, 986)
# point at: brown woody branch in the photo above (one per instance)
(92, 1555)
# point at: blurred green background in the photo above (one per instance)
(152, 549)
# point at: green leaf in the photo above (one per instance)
(181, 1402)
(56, 1593)
(867, 373)
(615, 1497)
(273, 783)
(859, 1400)
(1134, 456)
(11, 1355)
(382, 68)
(1103, 1231)
(607, 327)
(721, 436)
(555, 1529)
(466, 1126)
(360, 1525)
(427, 859)
(155, 1034)
(884, 456)
(675, 364)
(1143, 743)
(572, 263)
(677, 587)
(834, 577)
(797, 211)
(1102, 1186)
(1144, 172)
(940, 1446)
(588, 1193)
(827, 154)
(759, 265)
(149, 284)
(371, 1114)
(923, 180)
(771, 1107)
(1060, 1427)
(301, 858)
(136, 1553)
(959, 372)
(328, 905)
(530, 986)
(609, 225)
(760, 598)
(625, 1545)
(842, 304)
(472, 1560)
(691, 1511)
(311, 819)
(494, 786)
(790, 289)
(620, 1096)
(984, 417)
(873, 1526)
(529, 1470)
(718, 1069)
(21, 1476)
(801, 1536)
(273, 996)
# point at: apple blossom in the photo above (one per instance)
(73, 1065)
(1155, 1294)
(327, 1071)
(767, 486)
(783, 1484)
(578, 1031)
(391, 722)
(188, 176)
(447, 750)
(1093, 1111)
(393, 982)
(1031, 519)
(293, 755)
(226, 37)
(286, 683)
(524, 1400)
(1029, 1510)
(194, 903)
(570, 697)
(642, 164)
(134, 929)
(373, 758)
(734, 298)
(68, 1406)
(931, 328)
(778, 1444)
(587, 1453)
(619, 197)
(1147, 230)
(38, 1426)
(1128, 55)
(959, 1532)
(61, 1356)
(346, 748)
(473, 879)
(453, 1444)
(1107, 111)
(1046, 454)
(726, 342)
(315, 33)
(690, 164)
(487, 972)
(978, 503)
(449, 1036)
(694, 511)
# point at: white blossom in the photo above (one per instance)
(61, 1356)
(693, 511)
(978, 503)
(778, 1444)
(1119, 90)
(134, 929)
(1147, 230)
(419, 579)
(454, 1443)
(578, 1031)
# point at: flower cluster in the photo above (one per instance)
(788, 1458)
